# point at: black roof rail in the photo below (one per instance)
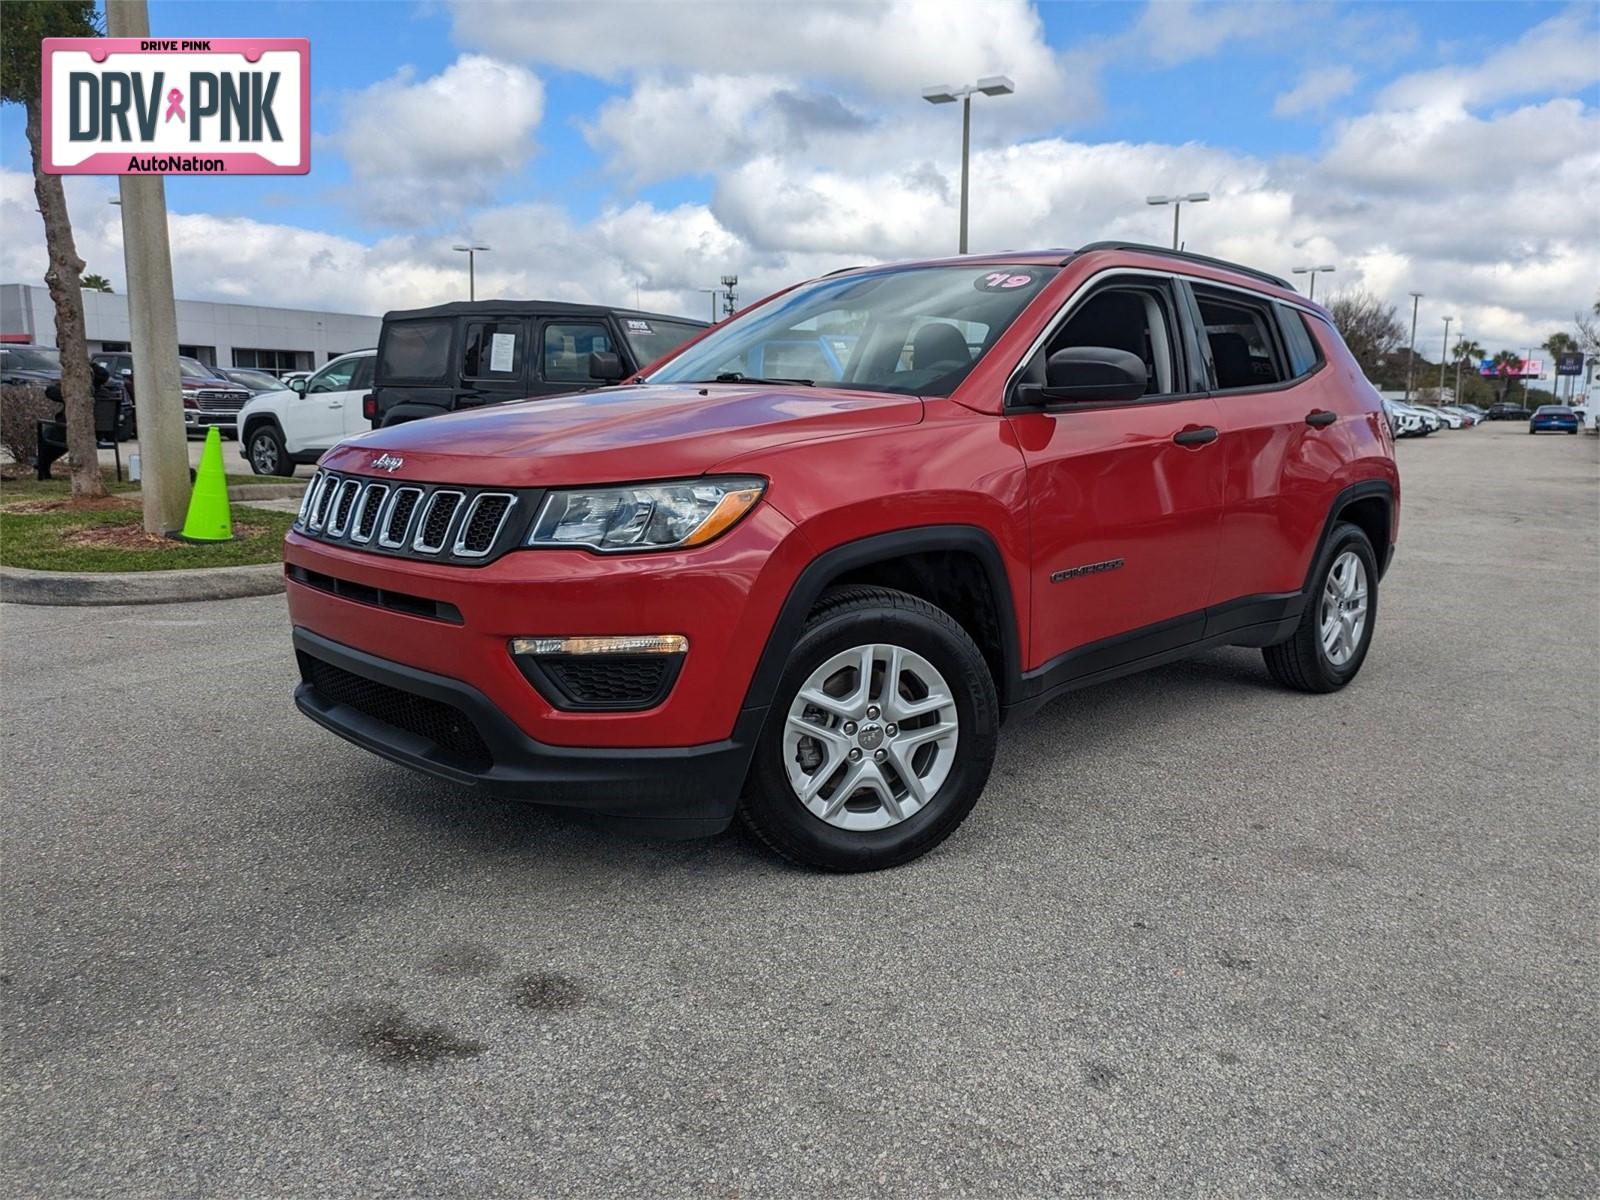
(1166, 252)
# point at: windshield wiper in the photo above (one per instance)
(741, 377)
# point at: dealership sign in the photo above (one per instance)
(1569, 362)
(169, 106)
(1529, 368)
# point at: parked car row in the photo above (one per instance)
(1419, 420)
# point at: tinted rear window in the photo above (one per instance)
(650, 338)
(416, 350)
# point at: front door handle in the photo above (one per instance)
(1318, 417)
(1196, 435)
(335, 403)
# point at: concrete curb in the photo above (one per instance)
(19, 585)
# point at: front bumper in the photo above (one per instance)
(451, 730)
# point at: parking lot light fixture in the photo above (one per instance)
(1444, 353)
(1311, 286)
(1411, 352)
(1177, 203)
(944, 93)
(471, 250)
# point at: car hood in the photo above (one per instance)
(654, 431)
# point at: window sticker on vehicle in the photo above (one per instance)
(639, 326)
(1002, 281)
(502, 346)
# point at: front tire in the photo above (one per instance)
(267, 453)
(880, 736)
(1330, 643)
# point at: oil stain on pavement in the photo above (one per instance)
(386, 1034)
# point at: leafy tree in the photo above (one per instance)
(1369, 327)
(26, 25)
(95, 283)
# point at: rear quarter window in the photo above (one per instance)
(418, 350)
(1298, 342)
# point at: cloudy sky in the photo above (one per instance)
(610, 149)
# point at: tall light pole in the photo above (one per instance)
(1444, 353)
(989, 85)
(1177, 203)
(713, 293)
(1462, 334)
(1311, 293)
(1411, 354)
(471, 250)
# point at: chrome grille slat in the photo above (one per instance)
(372, 503)
(319, 506)
(402, 507)
(421, 543)
(342, 507)
(469, 546)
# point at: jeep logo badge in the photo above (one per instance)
(387, 462)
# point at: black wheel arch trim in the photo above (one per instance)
(885, 547)
(1367, 488)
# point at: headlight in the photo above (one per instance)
(653, 516)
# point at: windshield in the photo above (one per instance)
(909, 329)
(650, 338)
(256, 381)
(32, 358)
(193, 368)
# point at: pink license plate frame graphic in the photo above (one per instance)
(229, 162)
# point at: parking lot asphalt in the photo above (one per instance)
(1200, 934)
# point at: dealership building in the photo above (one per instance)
(223, 335)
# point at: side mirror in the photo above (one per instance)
(1088, 375)
(298, 386)
(127, 372)
(605, 366)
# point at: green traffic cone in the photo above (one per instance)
(208, 519)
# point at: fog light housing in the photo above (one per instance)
(621, 673)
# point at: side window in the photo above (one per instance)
(1239, 330)
(1297, 342)
(1137, 319)
(335, 377)
(362, 379)
(567, 346)
(493, 350)
(416, 350)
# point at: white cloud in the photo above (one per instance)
(894, 47)
(1320, 88)
(1178, 31)
(422, 149)
(1561, 55)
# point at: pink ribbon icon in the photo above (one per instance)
(175, 105)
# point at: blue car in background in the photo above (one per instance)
(1553, 416)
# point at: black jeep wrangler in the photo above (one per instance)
(466, 354)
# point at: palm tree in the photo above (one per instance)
(1557, 344)
(1468, 351)
(1506, 364)
(96, 283)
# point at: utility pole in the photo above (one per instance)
(153, 320)
(730, 297)
(1462, 334)
(1411, 353)
(713, 293)
(1444, 353)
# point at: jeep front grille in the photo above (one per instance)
(438, 522)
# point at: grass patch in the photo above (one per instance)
(112, 539)
(28, 488)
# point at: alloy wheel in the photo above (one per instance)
(870, 737)
(1344, 608)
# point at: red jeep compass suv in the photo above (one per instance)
(802, 568)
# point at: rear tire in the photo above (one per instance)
(1330, 643)
(883, 668)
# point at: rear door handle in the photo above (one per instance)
(1196, 435)
(1318, 417)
